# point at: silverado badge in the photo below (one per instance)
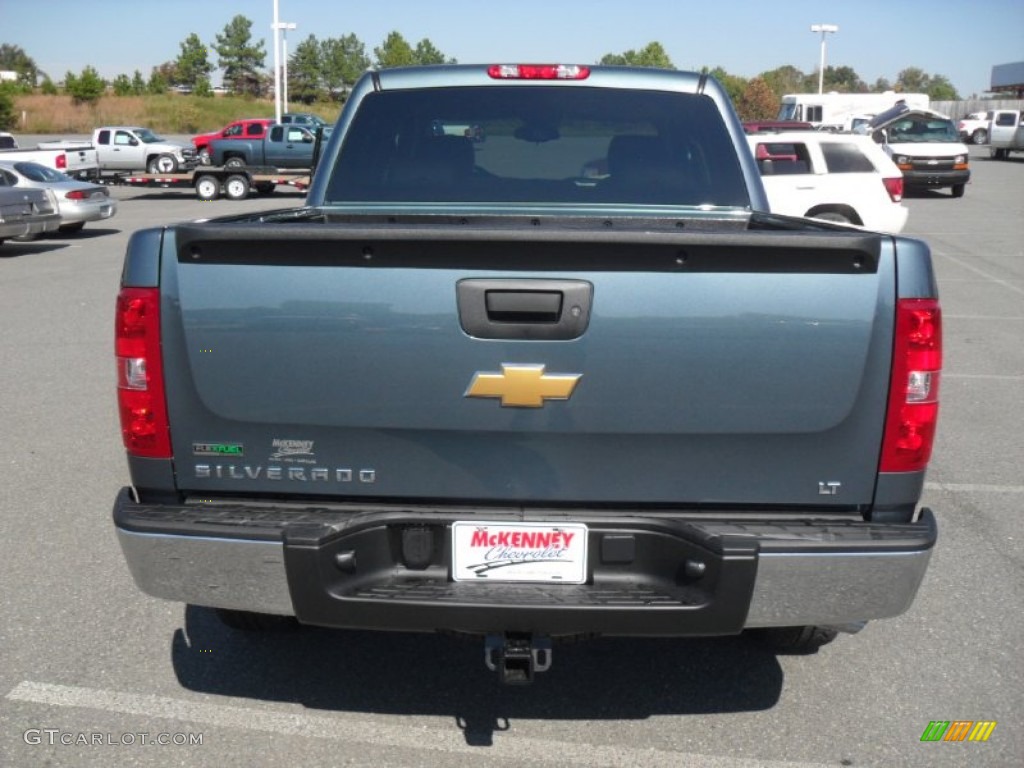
(523, 386)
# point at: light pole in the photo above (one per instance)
(824, 29)
(276, 26)
(284, 26)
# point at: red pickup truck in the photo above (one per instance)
(249, 128)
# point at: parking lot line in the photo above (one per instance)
(971, 268)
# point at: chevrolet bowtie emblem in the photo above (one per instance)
(523, 386)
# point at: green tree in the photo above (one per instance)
(757, 102)
(733, 84)
(395, 51)
(916, 80)
(13, 58)
(122, 86)
(426, 53)
(783, 80)
(881, 86)
(305, 68)
(47, 87)
(168, 75)
(940, 89)
(85, 88)
(193, 62)
(239, 58)
(8, 116)
(158, 82)
(138, 84)
(912, 80)
(651, 55)
(843, 80)
(344, 59)
(202, 88)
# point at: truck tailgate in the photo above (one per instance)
(727, 368)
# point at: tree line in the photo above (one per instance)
(324, 70)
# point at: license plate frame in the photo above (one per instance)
(497, 551)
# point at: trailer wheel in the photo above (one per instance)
(236, 187)
(162, 164)
(207, 187)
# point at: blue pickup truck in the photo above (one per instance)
(284, 146)
(572, 380)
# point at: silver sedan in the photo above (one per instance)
(78, 202)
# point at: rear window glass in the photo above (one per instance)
(845, 158)
(778, 158)
(538, 144)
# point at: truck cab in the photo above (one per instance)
(284, 146)
(250, 128)
(1006, 132)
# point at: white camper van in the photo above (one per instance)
(835, 111)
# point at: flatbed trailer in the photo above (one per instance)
(210, 183)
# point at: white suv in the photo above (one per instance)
(839, 177)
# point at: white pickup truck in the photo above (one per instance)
(1006, 133)
(75, 158)
(133, 148)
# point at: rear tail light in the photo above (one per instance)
(914, 388)
(141, 399)
(77, 194)
(538, 72)
(894, 187)
(62, 161)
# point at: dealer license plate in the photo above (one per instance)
(545, 552)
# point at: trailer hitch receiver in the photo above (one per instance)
(517, 656)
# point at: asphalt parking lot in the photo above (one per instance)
(92, 672)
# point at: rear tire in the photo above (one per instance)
(207, 187)
(980, 136)
(69, 228)
(796, 640)
(234, 162)
(833, 216)
(959, 189)
(236, 187)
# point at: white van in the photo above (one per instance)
(925, 146)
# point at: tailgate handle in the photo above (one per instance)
(523, 306)
(517, 308)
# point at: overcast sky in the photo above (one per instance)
(960, 39)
